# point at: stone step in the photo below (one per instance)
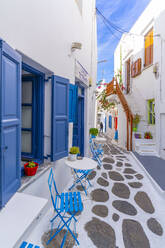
(17, 216)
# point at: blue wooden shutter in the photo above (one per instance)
(105, 124)
(72, 102)
(60, 117)
(10, 122)
(110, 121)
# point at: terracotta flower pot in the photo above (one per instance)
(30, 171)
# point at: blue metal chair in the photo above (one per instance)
(98, 148)
(81, 176)
(95, 154)
(65, 202)
(28, 245)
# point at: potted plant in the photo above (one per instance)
(93, 132)
(148, 135)
(73, 153)
(30, 168)
(136, 121)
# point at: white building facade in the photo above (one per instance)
(139, 55)
(54, 48)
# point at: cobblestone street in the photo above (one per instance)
(126, 210)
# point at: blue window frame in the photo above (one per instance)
(110, 121)
(37, 109)
(78, 125)
(72, 102)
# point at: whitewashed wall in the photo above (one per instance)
(44, 31)
(144, 86)
(159, 60)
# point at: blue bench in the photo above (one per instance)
(28, 245)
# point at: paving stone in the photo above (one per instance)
(100, 210)
(128, 165)
(109, 160)
(101, 233)
(134, 235)
(107, 166)
(56, 242)
(135, 185)
(115, 217)
(155, 226)
(99, 195)
(102, 182)
(121, 190)
(116, 176)
(80, 188)
(129, 171)
(104, 174)
(124, 207)
(144, 202)
(139, 176)
(119, 164)
(128, 176)
(121, 156)
(92, 175)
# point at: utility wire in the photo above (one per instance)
(112, 24)
(108, 27)
(117, 28)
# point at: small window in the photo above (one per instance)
(79, 3)
(151, 112)
(149, 48)
(128, 75)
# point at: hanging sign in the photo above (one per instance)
(81, 73)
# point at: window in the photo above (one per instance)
(149, 48)
(128, 76)
(136, 68)
(151, 111)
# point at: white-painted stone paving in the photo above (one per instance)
(136, 232)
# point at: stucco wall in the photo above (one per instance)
(159, 60)
(145, 86)
(44, 31)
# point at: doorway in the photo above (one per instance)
(78, 125)
(32, 114)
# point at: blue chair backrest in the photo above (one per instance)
(52, 186)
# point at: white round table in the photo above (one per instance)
(100, 139)
(82, 164)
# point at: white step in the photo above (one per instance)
(145, 147)
(18, 214)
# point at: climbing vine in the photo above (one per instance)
(105, 104)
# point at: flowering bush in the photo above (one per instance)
(148, 135)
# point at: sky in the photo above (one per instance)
(122, 13)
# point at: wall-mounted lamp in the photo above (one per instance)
(156, 70)
(75, 46)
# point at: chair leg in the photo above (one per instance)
(65, 224)
(63, 241)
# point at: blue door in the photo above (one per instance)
(81, 125)
(72, 102)
(60, 117)
(10, 122)
(105, 124)
(78, 125)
